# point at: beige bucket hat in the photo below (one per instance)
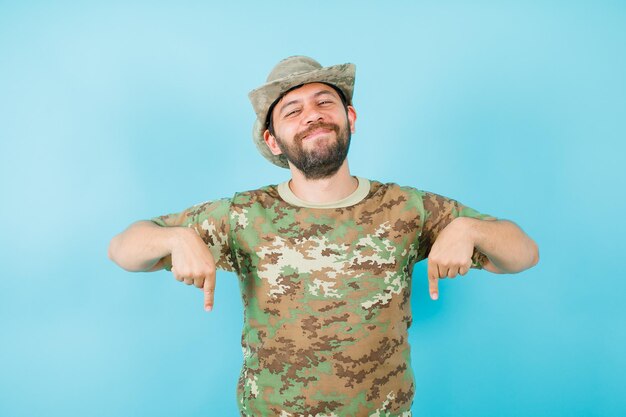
(287, 74)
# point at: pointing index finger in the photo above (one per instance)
(209, 291)
(433, 287)
(433, 281)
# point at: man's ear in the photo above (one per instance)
(352, 118)
(270, 141)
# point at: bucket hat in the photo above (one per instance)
(289, 73)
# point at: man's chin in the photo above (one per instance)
(321, 157)
(318, 168)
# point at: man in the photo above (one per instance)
(325, 259)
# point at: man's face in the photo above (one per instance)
(312, 129)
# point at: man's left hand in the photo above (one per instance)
(450, 255)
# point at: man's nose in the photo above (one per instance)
(313, 115)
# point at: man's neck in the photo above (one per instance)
(325, 190)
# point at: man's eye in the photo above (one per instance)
(325, 102)
(291, 112)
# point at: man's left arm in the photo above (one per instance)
(506, 247)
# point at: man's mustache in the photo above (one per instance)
(329, 126)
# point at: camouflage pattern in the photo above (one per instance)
(326, 295)
(289, 73)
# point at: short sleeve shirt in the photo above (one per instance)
(326, 293)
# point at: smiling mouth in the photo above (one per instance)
(317, 132)
(318, 129)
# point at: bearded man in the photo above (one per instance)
(325, 259)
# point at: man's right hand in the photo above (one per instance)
(145, 246)
(193, 263)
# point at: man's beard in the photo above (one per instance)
(318, 162)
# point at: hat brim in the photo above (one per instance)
(341, 76)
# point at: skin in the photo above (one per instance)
(509, 250)
(293, 114)
(144, 246)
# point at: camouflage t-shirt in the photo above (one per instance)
(326, 293)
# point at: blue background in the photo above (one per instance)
(113, 112)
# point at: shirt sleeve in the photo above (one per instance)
(438, 212)
(211, 221)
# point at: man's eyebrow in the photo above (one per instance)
(289, 103)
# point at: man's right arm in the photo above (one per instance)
(143, 246)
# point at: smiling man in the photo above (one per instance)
(325, 259)
(310, 151)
